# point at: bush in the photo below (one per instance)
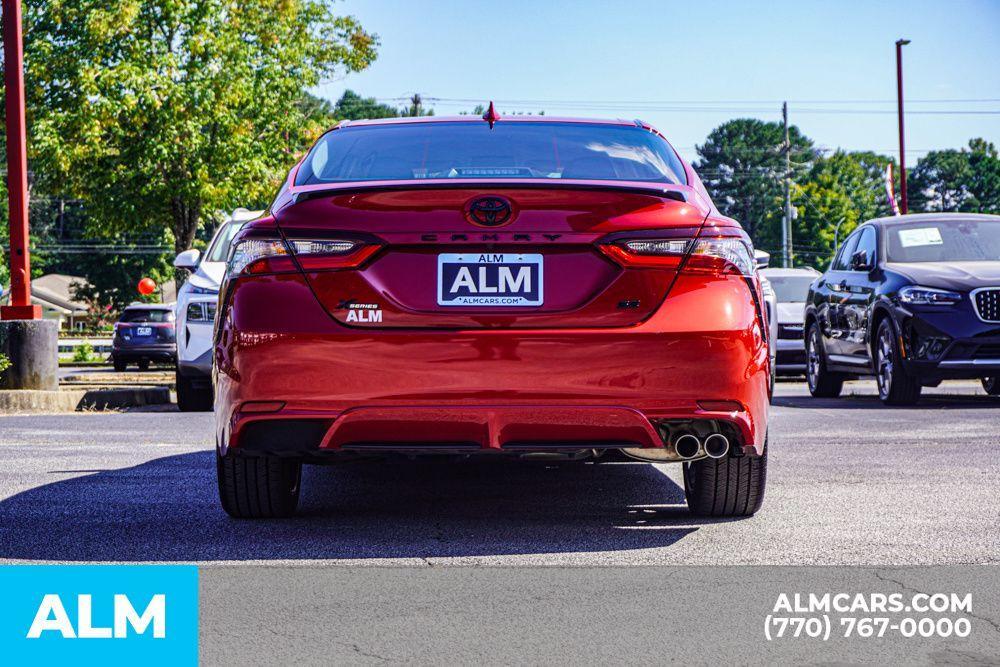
(84, 353)
(4, 363)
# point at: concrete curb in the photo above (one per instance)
(72, 400)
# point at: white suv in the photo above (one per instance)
(196, 302)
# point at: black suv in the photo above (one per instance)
(913, 300)
(144, 333)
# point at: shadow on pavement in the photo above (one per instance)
(872, 402)
(167, 510)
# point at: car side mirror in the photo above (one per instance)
(761, 259)
(188, 259)
(859, 261)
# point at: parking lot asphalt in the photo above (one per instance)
(849, 482)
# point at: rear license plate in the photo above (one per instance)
(489, 279)
(144, 331)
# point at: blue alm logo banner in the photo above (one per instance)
(99, 614)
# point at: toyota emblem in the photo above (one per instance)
(489, 211)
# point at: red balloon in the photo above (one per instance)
(147, 286)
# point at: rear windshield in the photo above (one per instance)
(460, 150)
(958, 240)
(136, 315)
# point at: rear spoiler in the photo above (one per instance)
(676, 193)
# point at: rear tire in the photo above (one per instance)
(144, 364)
(191, 398)
(992, 385)
(258, 487)
(730, 486)
(119, 364)
(895, 385)
(822, 383)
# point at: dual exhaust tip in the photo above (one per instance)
(688, 446)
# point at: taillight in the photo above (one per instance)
(654, 253)
(320, 254)
(253, 256)
(718, 255)
(721, 255)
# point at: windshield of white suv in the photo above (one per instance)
(958, 240)
(219, 251)
(470, 150)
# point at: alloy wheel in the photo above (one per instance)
(812, 359)
(884, 362)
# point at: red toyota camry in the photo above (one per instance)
(518, 287)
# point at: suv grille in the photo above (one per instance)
(987, 352)
(200, 311)
(988, 304)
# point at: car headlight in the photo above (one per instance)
(193, 289)
(916, 295)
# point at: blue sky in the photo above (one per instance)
(646, 59)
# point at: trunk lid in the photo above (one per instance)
(465, 256)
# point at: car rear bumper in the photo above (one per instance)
(150, 352)
(487, 390)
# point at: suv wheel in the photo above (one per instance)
(191, 398)
(119, 364)
(730, 486)
(258, 487)
(895, 385)
(822, 383)
(992, 385)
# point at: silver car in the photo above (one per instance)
(790, 287)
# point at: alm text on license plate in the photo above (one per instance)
(489, 279)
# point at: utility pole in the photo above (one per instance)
(900, 43)
(20, 307)
(29, 342)
(786, 222)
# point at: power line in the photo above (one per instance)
(471, 100)
(723, 106)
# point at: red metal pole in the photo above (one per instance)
(900, 43)
(20, 307)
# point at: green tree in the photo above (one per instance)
(843, 189)
(352, 106)
(742, 163)
(966, 180)
(159, 112)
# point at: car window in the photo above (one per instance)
(143, 315)
(843, 261)
(867, 243)
(471, 150)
